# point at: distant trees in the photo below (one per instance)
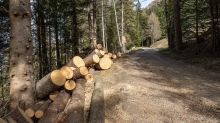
(154, 27)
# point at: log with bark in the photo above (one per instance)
(76, 62)
(31, 111)
(55, 108)
(40, 112)
(53, 95)
(19, 116)
(89, 77)
(67, 72)
(80, 72)
(91, 59)
(2, 121)
(114, 56)
(69, 85)
(75, 110)
(97, 109)
(104, 63)
(49, 83)
(99, 46)
(118, 54)
(100, 53)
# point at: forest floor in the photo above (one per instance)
(144, 86)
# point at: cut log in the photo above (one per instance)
(55, 108)
(106, 56)
(104, 49)
(40, 112)
(91, 59)
(110, 55)
(75, 110)
(118, 54)
(2, 120)
(100, 53)
(53, 95)
(89, 77)
(97, 109)
(114, 56)
(19, 116)
(67, 72)
(69, 85)
(80, 72)
(76, 62)
(99, 46)
(104, 63)
(49, 83)
(31, 111)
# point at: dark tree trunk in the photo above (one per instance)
(75, 29)
(21, 70)
(197, 18)
(39, 47)
(44, 44)
(213, 27)
(57, 42)
(178, 31)
(94, 41)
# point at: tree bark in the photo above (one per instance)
(213, 27)
(76, 62)
(97, 109)
(91, 59)
(19, 116)
(55, 108)
(104, 63)
(49, 83)
(178, 30)
(40, 112)
(21, 70)
(75, 110)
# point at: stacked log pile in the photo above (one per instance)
(61, 93)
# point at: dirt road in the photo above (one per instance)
(146, 87)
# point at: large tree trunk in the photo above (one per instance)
(21, 71)
(75, 110)
(178, 30)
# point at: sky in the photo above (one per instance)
(144, 3)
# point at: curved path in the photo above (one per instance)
(146, 87)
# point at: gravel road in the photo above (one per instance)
(146, 87)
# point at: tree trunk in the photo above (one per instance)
(178, 30)
(94, 25)
(213, 27)
(44, 44)
(57, 42)
(21, 71)
(31, 111)
(55, 108)
(116, 20)
(75, 29)
(197, 18)
(75, 110)
(103, 26)
(76, 62)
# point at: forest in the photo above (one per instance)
(46, 34)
